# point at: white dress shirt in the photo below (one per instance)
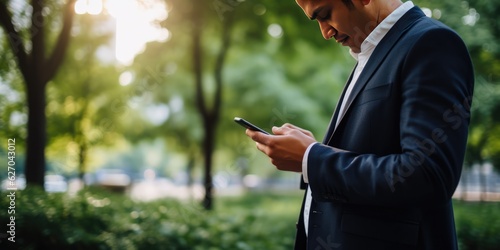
(367, 48)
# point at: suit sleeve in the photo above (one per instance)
(436, 83)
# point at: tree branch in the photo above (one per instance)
(37, 40)
(197, 64)
(219, 65)
(58, 53)
(14, 39)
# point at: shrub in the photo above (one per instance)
(96, 219)
(478, 225)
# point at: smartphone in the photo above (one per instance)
(249, 125)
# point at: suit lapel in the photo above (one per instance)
(333, 120)
(378, 56)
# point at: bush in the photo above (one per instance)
(96, 219)
(478, 225)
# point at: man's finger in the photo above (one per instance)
(260, 147)
(257, 136)
(281, 130)
(291, 126)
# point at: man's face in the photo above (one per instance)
(348, 25)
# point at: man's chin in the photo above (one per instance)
(355, 49)
(346, 43)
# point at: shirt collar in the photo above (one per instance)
(381, 30)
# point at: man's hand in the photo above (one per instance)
(286, 147)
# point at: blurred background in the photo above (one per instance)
(121, 112)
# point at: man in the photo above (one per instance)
(384, 175)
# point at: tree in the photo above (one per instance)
(76, 111)
(207, 103)
(199, 50)
(38, 65)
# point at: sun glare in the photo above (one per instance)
(92, 7)
(136, 23)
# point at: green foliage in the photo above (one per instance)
(295, 78)
(95, 219)
(85, 101)
(478, 225)
(12, 98)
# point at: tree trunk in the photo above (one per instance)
(202, 107)
(463, 195)
(37, 69)
(210, 115)
(189, 170)
(82, 158)
(35, 145)
(80, 136)
(208, 148)
(483, 183)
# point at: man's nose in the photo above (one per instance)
(326, 30)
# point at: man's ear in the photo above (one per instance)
(365, 2)
(361, 3)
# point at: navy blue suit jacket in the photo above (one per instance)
(384, 178)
